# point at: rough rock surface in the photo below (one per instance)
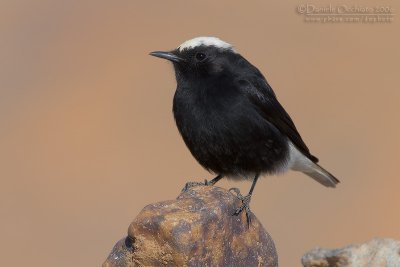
(378, 252)
(196, 229)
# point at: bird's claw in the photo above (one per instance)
(237, 192)
(245, 205)
(189, 185)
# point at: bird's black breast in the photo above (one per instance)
(225, 132)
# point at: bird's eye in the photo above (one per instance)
(200, 56)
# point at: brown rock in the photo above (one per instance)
(378, 252)
(196, 229)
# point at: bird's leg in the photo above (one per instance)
(245, 200)
(213, 181)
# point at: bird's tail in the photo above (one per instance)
(300, 162)
(321, 175)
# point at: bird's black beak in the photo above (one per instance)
(167, 55)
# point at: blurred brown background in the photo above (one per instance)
(87, 136)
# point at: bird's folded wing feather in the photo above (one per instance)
(259, 92)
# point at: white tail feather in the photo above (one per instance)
(299, 162)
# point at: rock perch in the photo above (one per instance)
(196, 229)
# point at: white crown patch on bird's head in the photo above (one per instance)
(206, 41)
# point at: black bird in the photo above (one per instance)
(231, 120)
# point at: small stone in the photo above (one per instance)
(378, 252)
(196, 229)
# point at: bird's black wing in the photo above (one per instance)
(260, 94)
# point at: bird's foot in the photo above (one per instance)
(245, 204)
(189, 185)
(213, 181)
